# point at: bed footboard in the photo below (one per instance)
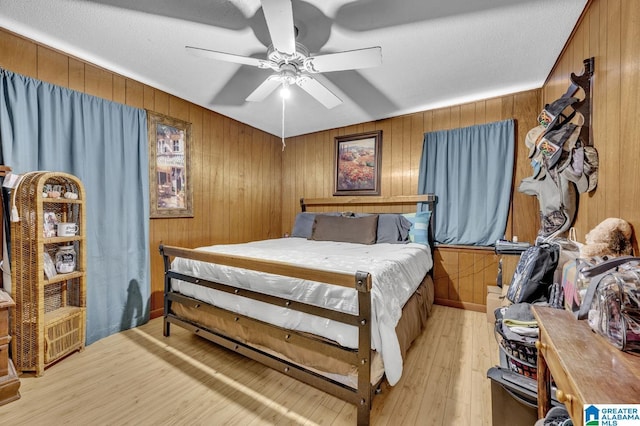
(360, 357)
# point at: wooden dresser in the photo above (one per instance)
(9, 382)
(585, 367)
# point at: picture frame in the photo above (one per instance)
(357, 163)
(50, 224)
(170, 186)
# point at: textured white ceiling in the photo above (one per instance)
(435, 52)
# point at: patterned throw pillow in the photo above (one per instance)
(419, 232)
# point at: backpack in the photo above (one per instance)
(533, 276)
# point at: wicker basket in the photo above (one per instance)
(48, 321)
(63, 334)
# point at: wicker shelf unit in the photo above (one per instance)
(48, 322)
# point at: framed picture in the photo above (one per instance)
(357, 164)
(169, 174)
(50, 224)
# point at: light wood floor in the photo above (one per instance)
(138, 377)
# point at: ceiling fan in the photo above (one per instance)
(291, 61)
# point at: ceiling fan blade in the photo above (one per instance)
(318, 91)
(265, 89)
(348, 60)
(228, 57)
(279, 17)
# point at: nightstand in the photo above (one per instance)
(9, 382)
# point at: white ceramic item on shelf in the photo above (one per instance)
(67, 229)
(65, 260)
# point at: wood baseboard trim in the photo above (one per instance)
(477, 307)
(156, 313)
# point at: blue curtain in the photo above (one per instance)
(470, 170)
(47, 127)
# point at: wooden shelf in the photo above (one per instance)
(63, 277)
(61, 313)
(41, 339)
(58, 240)
(61, 200)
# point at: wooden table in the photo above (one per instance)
(585, 367)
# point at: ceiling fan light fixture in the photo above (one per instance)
(285, 91)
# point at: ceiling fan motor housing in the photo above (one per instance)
(297, 59)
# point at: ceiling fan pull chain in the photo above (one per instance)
(283, 101)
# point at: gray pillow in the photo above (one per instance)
(303, 224)
(393, 228)
(361, 230)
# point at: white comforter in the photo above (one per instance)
(397, 270)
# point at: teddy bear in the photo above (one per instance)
(611, 238)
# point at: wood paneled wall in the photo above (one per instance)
(236, 169)
(246, 188)
(308, 159)
(308, 171)
(609, 31)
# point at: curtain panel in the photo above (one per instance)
(47, 127)
(470, 170)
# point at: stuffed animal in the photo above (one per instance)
(611, 238)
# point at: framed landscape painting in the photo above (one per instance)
(169, 174)
(357, 164)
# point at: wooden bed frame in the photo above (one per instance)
(361, 281)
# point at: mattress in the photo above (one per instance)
(397, 270)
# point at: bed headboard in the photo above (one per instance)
(345, 204)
